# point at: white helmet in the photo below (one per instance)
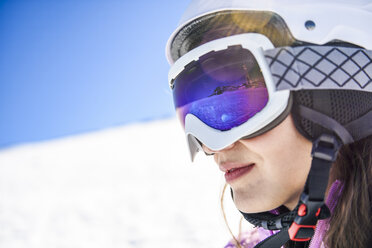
(286, 23)
(291, 27)
(309, 21)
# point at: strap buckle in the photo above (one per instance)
(325, 147)
(301, 233)
(303, 226)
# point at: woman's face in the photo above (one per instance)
(273, 168)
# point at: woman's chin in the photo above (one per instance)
(252, 206)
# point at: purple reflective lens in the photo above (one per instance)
(223, 89)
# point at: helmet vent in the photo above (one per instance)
(349, 105)
(305, 97)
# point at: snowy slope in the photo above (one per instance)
(132, 186)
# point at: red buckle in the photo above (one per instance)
(302, 210)
(318, 212)
(295, 228)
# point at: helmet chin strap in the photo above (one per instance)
(299, 224)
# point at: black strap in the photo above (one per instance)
(271, 221)
(361, 127)
(324, 153)
(326, 122)
(318, 179)
(275, 241)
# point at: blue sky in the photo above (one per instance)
(68, 67)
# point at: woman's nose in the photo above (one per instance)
(210, 151)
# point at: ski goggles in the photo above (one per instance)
(223, 91)
(239, 86)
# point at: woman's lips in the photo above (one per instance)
(235, 173)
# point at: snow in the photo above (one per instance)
(130, 186)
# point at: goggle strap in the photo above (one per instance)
(320, 67)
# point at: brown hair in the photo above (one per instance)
(350, 223)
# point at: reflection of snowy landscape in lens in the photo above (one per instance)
(223, 89)
(227, 109)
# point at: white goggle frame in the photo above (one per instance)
(215, 139)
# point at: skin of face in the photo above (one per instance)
(282, 160)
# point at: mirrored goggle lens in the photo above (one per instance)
(223, 89)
